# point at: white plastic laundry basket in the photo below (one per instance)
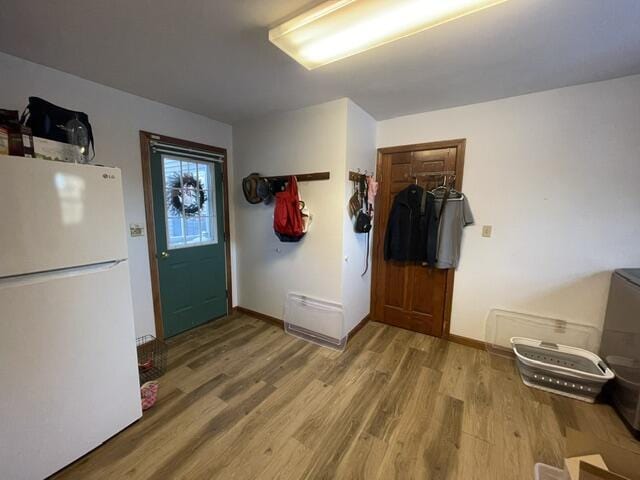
(570, 371)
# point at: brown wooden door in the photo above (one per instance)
(405, 294)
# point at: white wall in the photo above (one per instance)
(116, 118)
(557, 174)
(361, 154)
(308, 140)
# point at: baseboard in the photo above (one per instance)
(480, 345)
(261, 316)
(280, 323)
(357, 328)
(469, 342)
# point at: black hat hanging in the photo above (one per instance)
(263, 190)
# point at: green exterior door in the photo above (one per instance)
(189, 223)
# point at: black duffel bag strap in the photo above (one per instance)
(47, 120)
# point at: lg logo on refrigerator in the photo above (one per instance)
(108, 176)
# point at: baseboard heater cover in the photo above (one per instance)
(315, 320)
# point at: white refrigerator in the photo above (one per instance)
(68, 367)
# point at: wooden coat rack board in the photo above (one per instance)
(303, 177)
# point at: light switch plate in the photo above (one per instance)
(136, 230)
(486, 230)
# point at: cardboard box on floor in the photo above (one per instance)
(622, 464)
(572, 464)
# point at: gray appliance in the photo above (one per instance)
(620, 346)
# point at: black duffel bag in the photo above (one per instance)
(50, 121)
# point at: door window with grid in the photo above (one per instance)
(190, 209)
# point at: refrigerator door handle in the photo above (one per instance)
(39, 277)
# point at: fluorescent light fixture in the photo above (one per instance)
(337, 29)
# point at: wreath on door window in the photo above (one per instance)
(187, 195)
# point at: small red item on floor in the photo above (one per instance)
(149, 394)
(146, 365)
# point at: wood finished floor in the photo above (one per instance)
(242, 400)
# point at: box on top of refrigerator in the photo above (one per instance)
(52, 150)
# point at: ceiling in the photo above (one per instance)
(213, 57)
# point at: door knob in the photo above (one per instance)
(164, 254)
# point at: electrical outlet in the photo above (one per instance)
(486, 230)
(136, 230)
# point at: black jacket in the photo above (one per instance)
(412, 230)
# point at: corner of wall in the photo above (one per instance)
(311, 139)
(360, 154)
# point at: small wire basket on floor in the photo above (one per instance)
(152, 358)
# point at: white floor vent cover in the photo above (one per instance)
(315, 320)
